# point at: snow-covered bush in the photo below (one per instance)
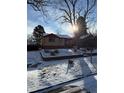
(46, 51)
(52, 53)
(56, 51)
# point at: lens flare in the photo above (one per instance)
(73, 28)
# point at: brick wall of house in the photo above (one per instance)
(52, 41)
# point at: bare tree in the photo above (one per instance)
(89, 6)
(69, 11)
(72, 10)
(39, 5)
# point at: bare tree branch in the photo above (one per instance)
(39, 5)
(66, 12)
(74, 4)
(69, 10)
(89, 7)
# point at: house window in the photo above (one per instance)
(51, 39)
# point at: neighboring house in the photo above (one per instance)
(56, 41)
(87, 41)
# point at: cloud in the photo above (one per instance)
(29, 30)
(49, 30)
(31, 25)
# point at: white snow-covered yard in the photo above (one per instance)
(64, 52)
(61, 52)
(50, 73)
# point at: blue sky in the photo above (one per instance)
(50, 25)
(35, 18)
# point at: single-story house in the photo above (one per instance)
(56, 41)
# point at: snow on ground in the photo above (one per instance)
(33, 57)
(89, 83)
(54, 72)
(62, 52)
(91, 67)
